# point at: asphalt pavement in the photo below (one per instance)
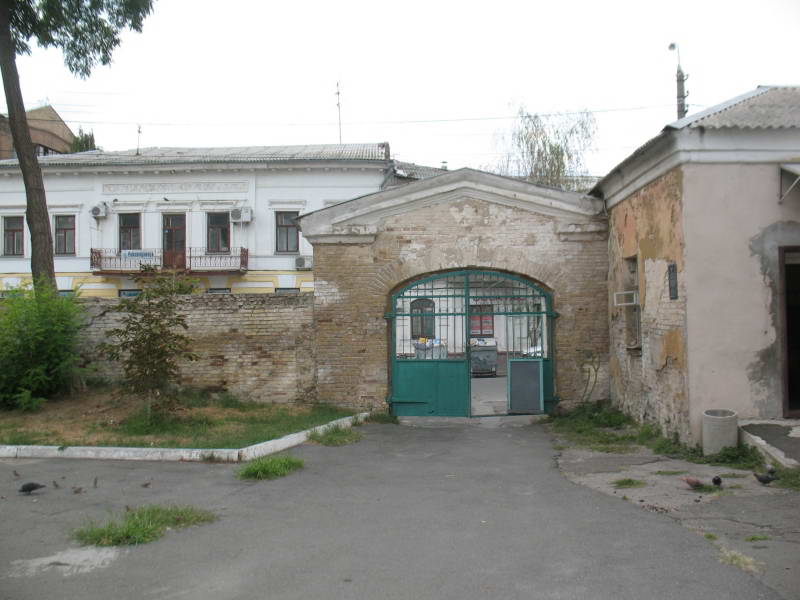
(463, 512)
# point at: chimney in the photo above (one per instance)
(387, 155)
(444, 165)
(680, 80)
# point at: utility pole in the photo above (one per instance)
(680, 79)
(138, 138)
(339, 109)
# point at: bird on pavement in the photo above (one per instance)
(77, 489)
(765, 479)
(55, 484)
(717, 481)
(770, 469)
(16, 474)
(27, 488)
(95, 482)
(146, 484)
(692, 482)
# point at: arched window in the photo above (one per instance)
(422, 319)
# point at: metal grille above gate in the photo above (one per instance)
(441, 321)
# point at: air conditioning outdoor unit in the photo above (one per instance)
(304, 263)
(241, 215)
(100, 211)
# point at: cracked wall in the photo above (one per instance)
(649, 378)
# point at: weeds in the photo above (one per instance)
(670, 472)
(336, 436)
(142, 525)
(270, 467)
(382, 417)
(788, 478)
(627, 483)
(737, 559)
(711, 537)
(757, 538)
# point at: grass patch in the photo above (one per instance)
(710, 537)
(270, 467)
(670, 472)
(734, 486)
(706, 489)
(142, 525)
(336, 436)
(737, 559)
(382, 418)
(626, 483)
(757, 538)
(788, 478)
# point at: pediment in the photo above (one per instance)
(362, 216)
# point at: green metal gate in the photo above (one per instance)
(438, 320)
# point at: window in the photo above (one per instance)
(12, 236)
(65, 234)
(286, 231)
(130, 232)
(423, 323)
(287, 291)
(219, 232)
(129, 293)
(481, 321)
(218, 291)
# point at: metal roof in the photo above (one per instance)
(406, 172)
(766, 107)
(185, 156)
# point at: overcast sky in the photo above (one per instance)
(438, 80)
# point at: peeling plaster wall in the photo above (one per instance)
(353, 283)
(650, 382)
(734, 228)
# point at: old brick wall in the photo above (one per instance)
(649, 380)
(353, 283)
(257, 346)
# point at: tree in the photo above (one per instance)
(549, 149)
(87, 31)
(83, 141)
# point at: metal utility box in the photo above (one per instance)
(483, 356)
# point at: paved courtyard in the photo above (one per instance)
(463, 511)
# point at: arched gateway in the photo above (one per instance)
(469, 343)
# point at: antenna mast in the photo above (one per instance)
(138, 138)
(680, 79)
(339, 109)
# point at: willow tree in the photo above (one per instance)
(87, 32)
(548, 149)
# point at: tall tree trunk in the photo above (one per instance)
(42, 267)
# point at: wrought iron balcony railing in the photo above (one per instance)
(113, 260)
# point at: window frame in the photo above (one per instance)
(209, 227)
(479, 311)
(279, 227)
(21, 232)
(422, 323)
(126, 229)
(73, 229)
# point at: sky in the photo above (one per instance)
(439, 80)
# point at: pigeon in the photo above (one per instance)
(27, 488)
(692, 482)
(95, 482)
(146, 484)
(771, 470)
(717, 481)
(16, 474)
(77, 490)
(764, 479)
(55, 484)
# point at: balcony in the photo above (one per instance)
(194, 260)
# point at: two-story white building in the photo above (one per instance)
(226, 215)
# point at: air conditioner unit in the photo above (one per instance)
(626, 298)
(241, 215)
(304, 263)
(100, 211)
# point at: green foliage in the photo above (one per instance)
(757, 538)
(83, 141)
(38, 346)
(86, 32)
(270, 467)
(710, 537)
(145, 422)
(626, 483)
(382, 417)
(336, 436)
(142, 525)
(670, 472)
(788, 478)
(149, 341)
(597, 426)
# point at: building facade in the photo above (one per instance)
(49, 133)
(225, 215)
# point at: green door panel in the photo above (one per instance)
(431, 388)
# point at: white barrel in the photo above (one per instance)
(720, 429)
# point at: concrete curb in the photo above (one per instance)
(176, 454)
(768, 450)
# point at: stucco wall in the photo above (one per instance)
(257, 346)
(353, 283)
(734, 226)
(649, 380)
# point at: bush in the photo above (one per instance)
(38, 346)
